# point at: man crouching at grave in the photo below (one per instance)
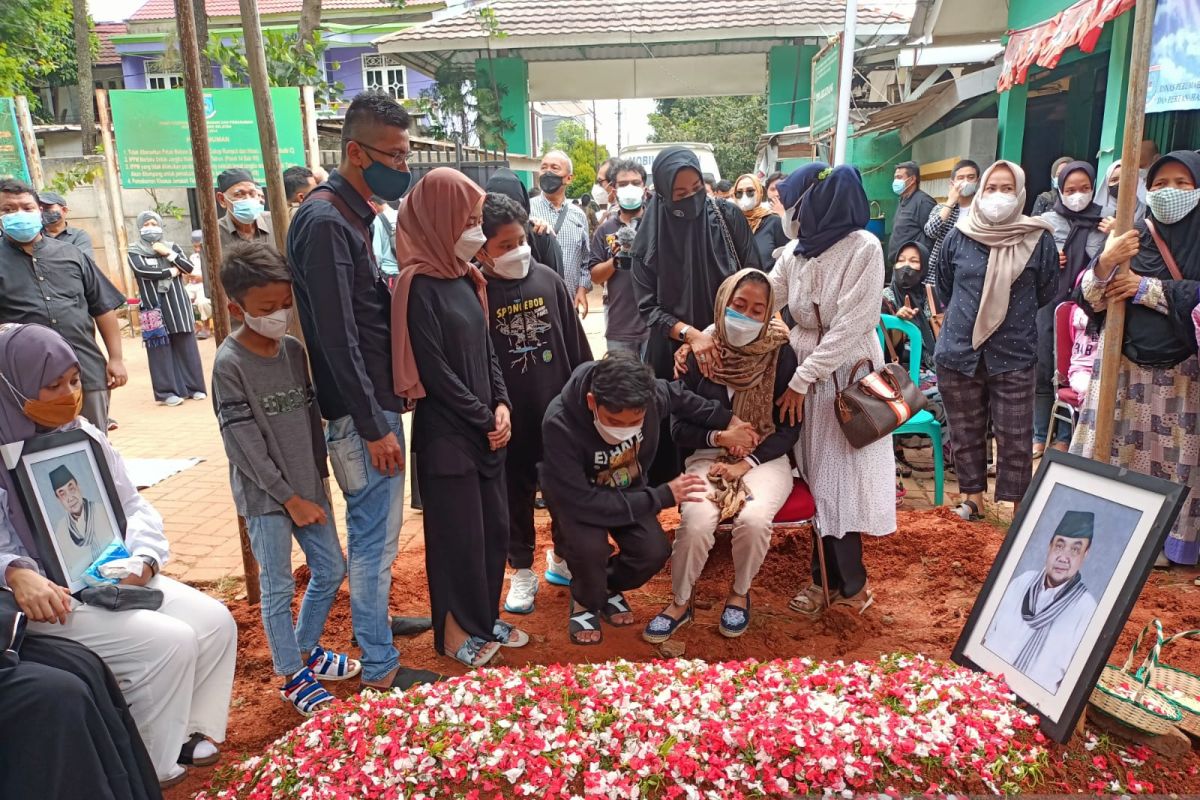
(599, 438)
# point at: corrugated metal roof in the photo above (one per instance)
(656, 21)
(914, 117)
(165, 9)
(108, 51)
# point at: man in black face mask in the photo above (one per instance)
(345, 311)
(54, 221)
(568, 222)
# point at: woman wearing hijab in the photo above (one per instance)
(1075, 218)
(175, 664)
(749, 475)
(998, 267)
(1106, 198)
(766, 226)
(686, 246)
(830, 281)
(442, 357)
(543, 246)
(905, 296)
(168, 323)
(1158, 385)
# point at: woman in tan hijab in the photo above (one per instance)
(442, 357)
(996, 268)
(766, 225)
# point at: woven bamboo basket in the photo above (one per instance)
(1148, 709)
(1168, 679)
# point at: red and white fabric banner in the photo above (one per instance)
(1043, 44)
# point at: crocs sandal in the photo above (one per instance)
(187, 753)
(476, 652)
(581, 621)
(327, 665)
(508, 635)
(305, 693)
(664, 626)
(968, 511)
(735, 620)
(616, 605)
(811, 601)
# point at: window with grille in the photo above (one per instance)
(384, 72)
(158, 77)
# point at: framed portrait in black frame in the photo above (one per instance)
(1065, 580)
(71, 501)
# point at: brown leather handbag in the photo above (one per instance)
(876, 404)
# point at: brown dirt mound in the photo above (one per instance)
(925, 579)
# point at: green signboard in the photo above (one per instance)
(12, 154)
(826, 68)
(154, 146)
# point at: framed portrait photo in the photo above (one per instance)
(1061, 588)
(71, 501)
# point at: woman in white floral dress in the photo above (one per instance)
(830, 277)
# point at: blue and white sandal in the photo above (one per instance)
(508, 635)
(476, 652)
(664, 626)
(305, 693)
(330, 666)
(735, 620)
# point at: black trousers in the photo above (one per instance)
(175, 367)
(597, 572)
(667, 464)
(466, 540)
(520, 472)
(843, 564)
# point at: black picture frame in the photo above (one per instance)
(37, 454)
(1061, 709)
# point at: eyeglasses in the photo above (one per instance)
(399, 159)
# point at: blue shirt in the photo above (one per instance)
(1013, 345)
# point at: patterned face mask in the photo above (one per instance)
(1171, 205)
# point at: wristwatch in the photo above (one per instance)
(683, 332)
(152, 563)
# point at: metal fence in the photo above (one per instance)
(477, 164)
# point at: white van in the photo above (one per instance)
(645, 154)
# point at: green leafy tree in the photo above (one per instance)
(731, 125)
(289, 62)
(572, 138)
(37, 47)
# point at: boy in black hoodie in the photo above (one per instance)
(599, 437)
(539, 341)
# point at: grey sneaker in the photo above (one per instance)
(522, 589)
(172, 400)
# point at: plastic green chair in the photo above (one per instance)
(923, 424)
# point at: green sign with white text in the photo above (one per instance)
(154, 146)
(12, 154)
(826, 67)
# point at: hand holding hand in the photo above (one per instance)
(304, 512)
(41, 599)
(688, 488)
(738, 434)
(501, 434)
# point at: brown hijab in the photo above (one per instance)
(760, 211)
(431, 219)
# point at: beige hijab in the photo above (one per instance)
(1010, 243)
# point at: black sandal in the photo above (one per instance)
(187, 756)
(616, 604)
(581, 622)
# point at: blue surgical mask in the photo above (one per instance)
(22, 226)
(898, 185)
(387, 182)
(246, 211)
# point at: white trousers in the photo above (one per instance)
(769, 485)
(174, 665)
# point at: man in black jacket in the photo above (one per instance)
(599, 437)
(911, 215)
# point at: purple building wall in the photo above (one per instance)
(350, 72)
(133, 69)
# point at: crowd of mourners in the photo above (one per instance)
(734, 311)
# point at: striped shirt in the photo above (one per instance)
(158, 289)
(573, 239)
(936, 229)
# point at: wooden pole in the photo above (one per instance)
(1114, 323)
(260, 87)
(112, 188)
(193, 91)
(29, 142)
(308, 116)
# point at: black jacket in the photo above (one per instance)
(585, 478)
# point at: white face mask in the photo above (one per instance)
(469, 243)
(741, 330)
(630, 198)
(791, 225)
(1077, 201)
(273, 325)
(968, 188)
(599, 195)
(512, 265)
(996, 207)
(747, 202)
(613, 435)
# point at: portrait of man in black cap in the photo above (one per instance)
(1045, 612)
(83, 530)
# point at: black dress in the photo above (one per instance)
(768, 238)
(461, 477)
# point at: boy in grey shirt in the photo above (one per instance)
(272, 432)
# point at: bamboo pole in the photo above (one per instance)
(1114, 324)
(33, 159)
(112, 188)
(193, 90)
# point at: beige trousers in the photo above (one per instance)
(769, 485)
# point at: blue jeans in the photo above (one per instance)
(271, 539)
(637, 348)
(374, 514)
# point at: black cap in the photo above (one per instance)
(60, 476)
(1077, 525)
(51, 199)
(232, 177)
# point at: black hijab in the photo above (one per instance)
(506, 182)
(543, 247)
(1082, 224)
(832, 204)
(680, 250)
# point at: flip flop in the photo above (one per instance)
(616, 604)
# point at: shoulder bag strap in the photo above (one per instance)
(562, 216)
(727, 235)
(1169, 259)
(352, 219)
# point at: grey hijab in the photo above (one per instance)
(138, 244)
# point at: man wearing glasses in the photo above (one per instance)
(345, 309)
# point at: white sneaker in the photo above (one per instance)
(199, 396)
(523, 587)
(557, 571)
(172, 400)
